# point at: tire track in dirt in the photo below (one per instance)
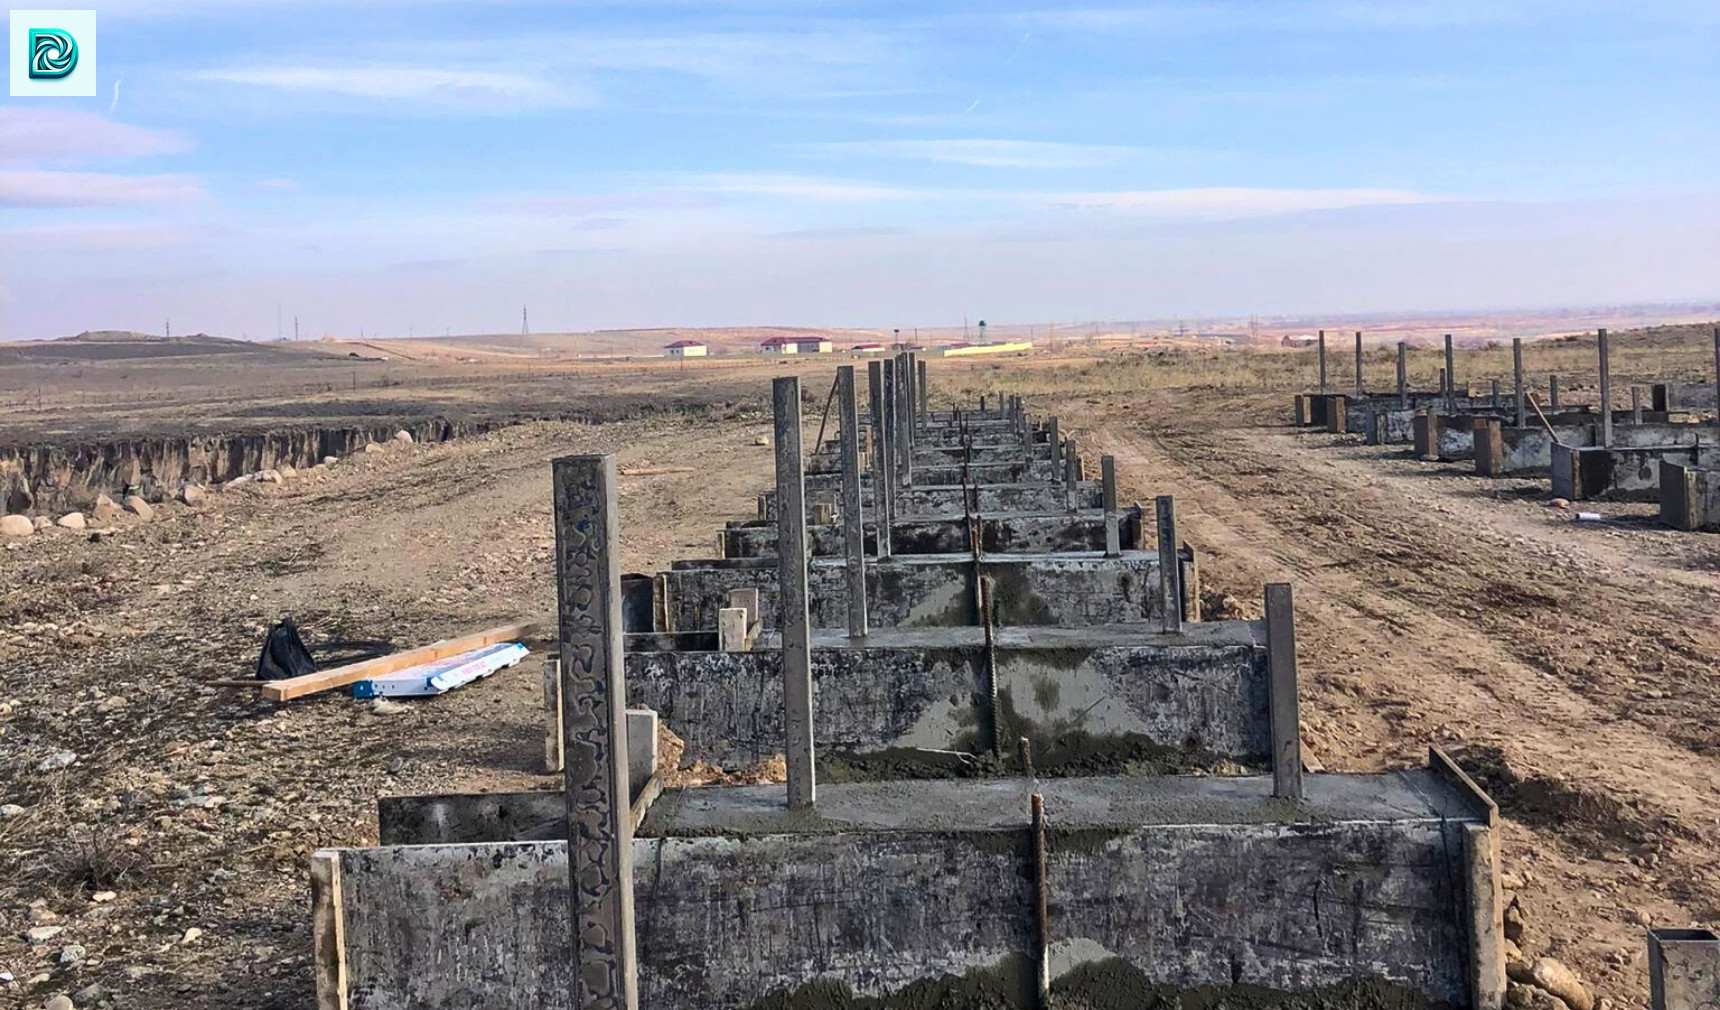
(1418, 624)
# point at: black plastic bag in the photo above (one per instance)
(284, 653)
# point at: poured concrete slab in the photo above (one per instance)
(1176, 881)
(1104, 695)
(930, 590)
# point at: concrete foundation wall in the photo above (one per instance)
(930, 591)
(1019, 534)
(924, 501)
(1617, 474)
(1204, 694)
(1176, 882)
(1690, 496)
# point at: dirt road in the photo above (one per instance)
(1568, 664)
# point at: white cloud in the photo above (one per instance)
(36, 188)
(985, 153)
(89, 238)
(801, 187)
(65, 135)
(1218, 204)
(395, 83)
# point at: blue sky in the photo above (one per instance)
(397, 166)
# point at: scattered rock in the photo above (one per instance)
(72, 520)
(138, 507)
(372, 447)
(104, 509)
(1559, 503)
(396, 763)
(42, 934)
(762, 440)
(73, 953)
(287, 472)
(1519, 995)
(103, 897)
(330, 460)
(403, 436)
(60, 1003)
(58, 759)
(42, 523)
(382, 706)
(16, 526)
(94, 994)
(239, 481)
(1514, 922)
(192, 494)
(192, 935)
(113, 703)
(8, 810)
(268, 476)
(1563, 983)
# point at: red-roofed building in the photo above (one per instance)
(687, 349)
(795, 345)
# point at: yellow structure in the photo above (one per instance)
(964, 350)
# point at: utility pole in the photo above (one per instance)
(525, 330)
(295, 328)
(167, 329)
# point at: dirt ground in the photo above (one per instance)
(1569, 665)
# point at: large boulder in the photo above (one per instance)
(138, 507)
(72, 520)
(16, 526)
(403, 436)
(104, 510)
(193, 494)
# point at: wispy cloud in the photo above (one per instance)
(451, 89)
(61, 237)
(984, 153)
(1218, 204)
(803, 187)
(63, 136)
(36, 188)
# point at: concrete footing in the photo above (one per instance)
(1168, 881)
(1582, 473)
(1096, 694)
(1690, 495)
(919, 590)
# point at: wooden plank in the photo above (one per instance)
(341, 676)
(328, 931)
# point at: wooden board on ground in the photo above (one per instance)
(341, 676)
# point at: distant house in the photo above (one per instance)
(687, 349)
(1300, 340)
(796, 345)
(867, 349)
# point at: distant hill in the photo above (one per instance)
(121, 345)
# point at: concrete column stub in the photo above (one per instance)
(594, 733)
(1113, 529)
(794, 621)
(853, 522)
(1281, 676)
(1170, 566)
